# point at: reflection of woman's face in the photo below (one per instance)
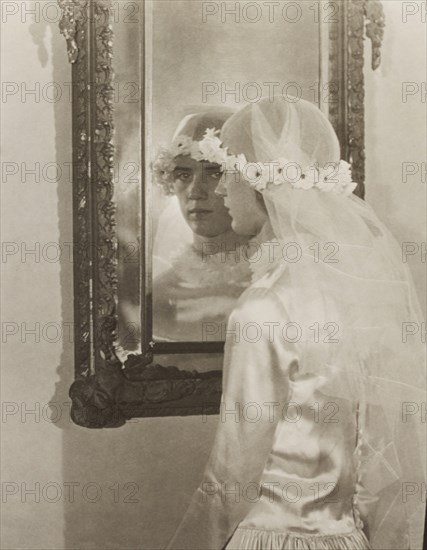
(248, 216)
(194, 184)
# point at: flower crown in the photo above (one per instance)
(208, 149)
(333, 177)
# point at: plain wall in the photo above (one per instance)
(146, 469)
(396, 126)
(163, 457)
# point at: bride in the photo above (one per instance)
(317, 446)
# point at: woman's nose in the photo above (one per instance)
(197, 188)
(221, 189)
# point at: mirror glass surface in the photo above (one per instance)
(183, 66)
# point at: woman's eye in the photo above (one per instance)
(183, 176)
(216, 175)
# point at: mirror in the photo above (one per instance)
(223, 56)
(165, 267)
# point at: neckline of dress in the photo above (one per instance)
(188, 263)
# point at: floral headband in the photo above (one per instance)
(332, 177)
(208, 149)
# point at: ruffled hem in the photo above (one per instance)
(255, 539)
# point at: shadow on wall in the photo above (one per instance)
(124, 488)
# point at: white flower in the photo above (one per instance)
(342, 179)
(164, 163)
(333, 177)
(328, 180)
(211, 133)
(162, 168)
(254, 174)
(210, 148)
(345, 178)
(195, 152)
(303, 183)
(312, 176)
(336, 178)
(270, 173)
(344, 173)
(277, 173)
(231, 164)
(306, 177)
(266, 176)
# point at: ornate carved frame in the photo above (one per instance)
(104, 393)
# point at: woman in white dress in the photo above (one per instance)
(321, 441)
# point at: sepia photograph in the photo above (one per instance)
(214, 286)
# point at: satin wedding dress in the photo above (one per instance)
(284, 472)
(315, 448)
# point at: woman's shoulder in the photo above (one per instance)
(277, 298)
(259, 304)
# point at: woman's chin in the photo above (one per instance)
(241, 228)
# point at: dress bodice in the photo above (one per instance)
(283, 472)
(309, 479)
(307, 493)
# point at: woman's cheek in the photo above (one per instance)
(233, 198)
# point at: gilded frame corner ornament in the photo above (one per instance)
(356, 20)
(374, 13)
(104, 394)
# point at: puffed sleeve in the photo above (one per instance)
(255, 389)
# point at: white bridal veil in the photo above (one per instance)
(349, 277)
(351, 268)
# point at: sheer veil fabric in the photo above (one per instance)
(349, 274)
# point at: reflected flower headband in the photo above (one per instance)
(208, 149)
